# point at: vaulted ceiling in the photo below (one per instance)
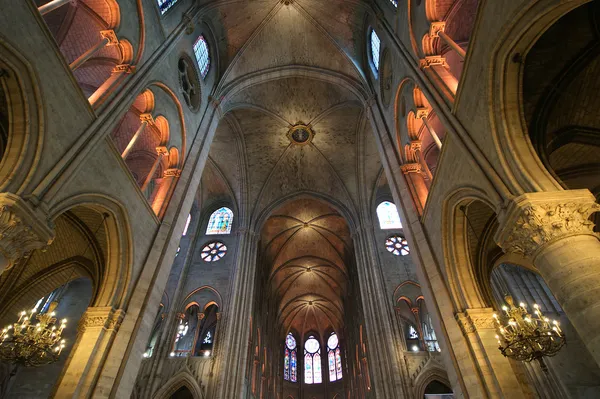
(307, 245)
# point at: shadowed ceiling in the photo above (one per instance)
(307, 246)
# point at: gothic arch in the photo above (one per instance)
(429, 375)
(21, 120)
(527, 173)
(183, 378)
(203, 296)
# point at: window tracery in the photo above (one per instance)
(397, 245)
(165, 5)
(202, 56)
(290, 365)
(312, 361)
(375, 50)
(334, 358)
(213, 251)
(220, 221)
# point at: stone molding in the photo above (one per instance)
(472, 320)
(101, 317)
(124, 68)
(534, 220)
(172, 172)
(23, 229)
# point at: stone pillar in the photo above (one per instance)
(235, 326)
(54, 4)
(161, 151)
(416, 184)
(423, 114)
(22, 230)
(116, 78)
(437, 69)
(165, 190)
(384, 351)
(109, 38)
(479, 329)
(96, 331)
(437, 30)
(146, 119)
(553, 230)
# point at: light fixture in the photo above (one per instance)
(30, 344)
(415, 348)
(526, 337)
(172, 354)
(206, 353)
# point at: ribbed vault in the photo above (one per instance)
(306, 244)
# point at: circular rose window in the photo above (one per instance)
(397, 245)
(213, 252)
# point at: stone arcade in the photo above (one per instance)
(299, 199)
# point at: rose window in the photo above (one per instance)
(213, 252)
(397, 245)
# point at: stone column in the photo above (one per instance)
(235, 328)
(479, 329)
(437, 30)
(146, 119)
(96, 331)
(109, 38)
(22, 230)
(116, 78)
(165, 190)
(416, 184)
(553, 230)
(54, 4)
(161, 151)
(384, 352)
(436, 68)
(423, 114)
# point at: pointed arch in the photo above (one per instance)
(183, 378)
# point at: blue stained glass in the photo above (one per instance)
(294, 371)
(375, 49)
(220, 222)
(395, 3)
(202, 56)
(312, 361)
(164, 5)
(289, 364)
(286, 365)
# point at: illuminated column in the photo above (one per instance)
(53, 5)
(118, 74)
(416, 184)
(437, 30)
(109, 38)
(23, 229)
(161, 151)
(423, 113)
(554, 231)
(165, 190)
(416, 146)
(96, 331)
(437, 69)
(146, 119)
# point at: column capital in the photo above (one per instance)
(416, 145)
(22, 228)
(162, 150)
(422, 112)
(435, 28)
(147, 117)
(472, 320)
(532, 220)
(434, 60)
(411, 168)
(101, 317)
(172, 172)
(124, 68)
(111, 36)
(201, 316)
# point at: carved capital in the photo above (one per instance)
(422, 112)
(111, 36)
(472, 320)
(416, 145)
(101, 317)
(201, 316)
(124, 68)
(172, 172)
(434, 60)
(435, 28)
(533, 220)
(180, 315)
(411, 168)
(22, 229)
(146, 117)
(162, 150)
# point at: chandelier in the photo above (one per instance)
(526, 337)
(32, 344)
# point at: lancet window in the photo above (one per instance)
(202, 56)
(165, 5)
(220, 221)
(312, 361)
(334, 358)
(290, 364)
(388, 216)
(375, 49)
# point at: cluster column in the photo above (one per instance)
(554, 230)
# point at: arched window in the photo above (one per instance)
(165, 5)
(394, 2)
(202, 55)
(429, 335)
(375, 49)
(334, 358)
(187, 224)
(220, 221)
(290, 363)
(412, 339)
(388, 216)
(312, 361)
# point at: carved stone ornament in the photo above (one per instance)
(172, 172)
(22, 229)
(101, 317)
(124, 68)
(411, 168)
(435, 28)
(533, 220)
(433, 61)
(110, 34)
(473, 320)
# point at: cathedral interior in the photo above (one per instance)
(300, 199)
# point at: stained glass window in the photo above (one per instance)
(208, 338)
(220, 221)
(388, 216)
(397, 245)
(412, 333)
(290, 364)
(375, 49)
(395, 3)
(213, 252)
(312, 361)
(202, 55)
(187, 224)
(334, 358)
(165, 5)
